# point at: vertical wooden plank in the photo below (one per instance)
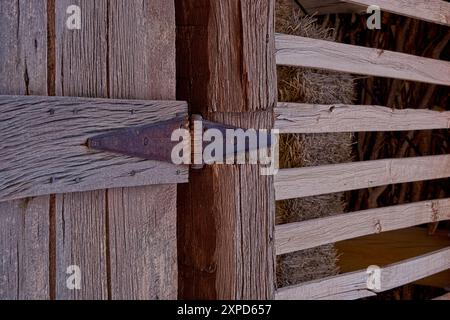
(24, 257)
(81, 241)
(143, 242)
(24, 224)
(123, 50)
(142, 221)
(23, 47)
(226, 214)
(80, 229)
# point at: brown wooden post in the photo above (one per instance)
(227, 72)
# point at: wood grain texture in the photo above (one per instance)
(313, 233)
(354, 285)
(309, 118)
(143, 257)
(147, 71)
(436, 11)
(124, 50)
(226, 224)
(81, 241)
(23, 47)
(304, 182)
(226, 70)
(44, 145)
(24, 255)
(236, 50)
(81, 64)
(312, 53)
(24, 224)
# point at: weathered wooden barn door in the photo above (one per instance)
(123, 240)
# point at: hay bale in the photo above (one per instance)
(296, 150)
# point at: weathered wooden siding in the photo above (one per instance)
(24, 224)
(124, 240)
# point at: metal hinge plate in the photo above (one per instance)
(153, 141)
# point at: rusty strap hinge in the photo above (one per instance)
(153, 142)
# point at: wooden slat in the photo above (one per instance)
(43, 138)
(354, 285)
(437, 11)
(304, 182)
(24, 224)
(445, 297)
(393, 246)
(313, 233)
(310, 118)
(312, 53)
(226, 70)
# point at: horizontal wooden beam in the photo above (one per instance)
(43, 145)
(311, 118)
(311, 181)
(436, 11)
(354, 285)
(328, 55)
(313, 233)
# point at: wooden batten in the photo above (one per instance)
(390, 247)
(24, 224)
(354, 285)
(313, 233)
(311, 118)
(44, 136)
(328, 55)
(310, 181)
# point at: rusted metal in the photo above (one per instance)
(152, 142)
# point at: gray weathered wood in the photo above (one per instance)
(24, 224)
(81, 241)
(143, 257)
(436, 11)
(353, 285)
(44, 145)
(142, 220)
(81, 67)
(304, 182)
(313, 53)
(24, 251)
(313, 233)
(124, 50)
(309, 118)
